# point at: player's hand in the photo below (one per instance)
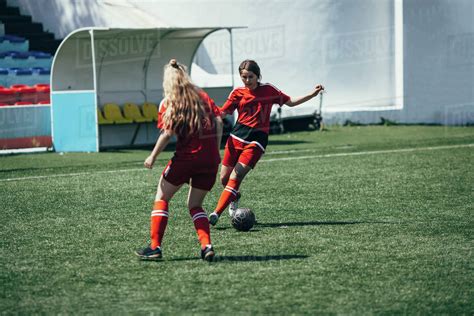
(149, 162)
(318, 89)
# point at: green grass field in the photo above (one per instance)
(354, 220)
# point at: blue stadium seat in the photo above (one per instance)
(41, 75)
(21, 76)
(21, 60)
(41, 59)
(16, 43)
(4, 77)
(18, 59)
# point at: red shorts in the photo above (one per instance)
(180, 172)
(237, 151)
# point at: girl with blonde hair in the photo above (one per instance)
(188, 113)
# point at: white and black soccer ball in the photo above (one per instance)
(243, 219)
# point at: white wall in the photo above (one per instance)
(350, 46)
(439, 61)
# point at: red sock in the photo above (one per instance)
(228, 195)
(201, 223)
(159, 220)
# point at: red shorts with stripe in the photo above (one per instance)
(201, 177)
(238, 151)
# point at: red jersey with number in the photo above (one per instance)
(199, 147)
(254, 108)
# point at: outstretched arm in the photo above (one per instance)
(298, 100)
(161, 143)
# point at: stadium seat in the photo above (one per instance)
(101, 119)
(150, 111)
(41, 59)
(18, 86)
(27, 94)
(21, 60)
(24, 93)
(113, 113)
(132, 112)
(42, 75)
(42, 92)
(21, 76)
(10, 42)
(44, 102)
(4, 76)
(3, 104)
(7, 96)
(24, 103)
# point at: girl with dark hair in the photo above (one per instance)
(249, 137)
(187, 112)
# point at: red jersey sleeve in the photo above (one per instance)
(161, 111)
(214, 110)
(232, 102)
(279, 96)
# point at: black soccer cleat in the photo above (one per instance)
(213, 218)
(207, 254)
(149, 254)
(234, 205)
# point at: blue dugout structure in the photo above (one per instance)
(95, 66)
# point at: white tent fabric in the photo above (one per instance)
(95, 66)
(127, 60)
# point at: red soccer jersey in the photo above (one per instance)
(201, 147)
(254, 108)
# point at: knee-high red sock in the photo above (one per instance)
(159, 220)
(228, 195)
(201, 223)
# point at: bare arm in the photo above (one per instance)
(161, 143)
(298, 100)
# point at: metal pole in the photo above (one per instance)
(231, 57)
(94, 74)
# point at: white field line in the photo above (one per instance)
(360, 153)
(72, 174)
(375, 152)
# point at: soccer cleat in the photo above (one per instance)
(149, 254)
(213, 218)
(207, 254)
(234, 205)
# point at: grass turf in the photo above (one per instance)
(346, 233)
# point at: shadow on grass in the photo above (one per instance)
(310, 223)
(219, 258)
(253, 230)
(258, 258)
(319, 223)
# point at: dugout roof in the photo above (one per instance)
(94, 66)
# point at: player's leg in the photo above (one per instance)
(201, 183)
(231, 191)
(159, 214)
(229, 162)
(232, 152)
(201, 223)
(158, 219)
(247, 159)
(225, 174)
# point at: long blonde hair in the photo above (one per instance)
(185, 109)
